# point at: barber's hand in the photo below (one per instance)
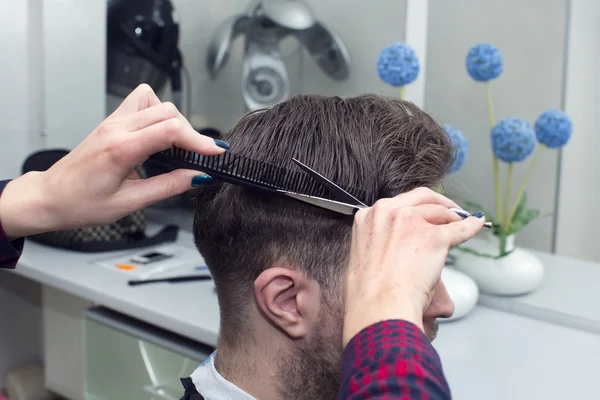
(96, 182)
(399, 247)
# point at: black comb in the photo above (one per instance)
(247, 172)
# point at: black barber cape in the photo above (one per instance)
(190, 390)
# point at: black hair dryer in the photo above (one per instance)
(142, 38)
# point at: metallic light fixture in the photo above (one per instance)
(264, 24)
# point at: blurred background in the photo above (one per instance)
(67, 64)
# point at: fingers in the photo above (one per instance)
(428, 196)
(399, 208)
(140, 98)
(156, 126)
(379, 214)
(133, 175)
(418, 196)
(168, 133)
(459, 232)
(178, 134)
(437, 215)
(153, 115)
(141, 193)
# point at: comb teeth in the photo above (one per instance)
(245, 171)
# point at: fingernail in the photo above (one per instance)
(222, 144)
(478, 214)
(201, 180)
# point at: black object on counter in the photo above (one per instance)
(175, 279)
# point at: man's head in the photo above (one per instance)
(278, 264)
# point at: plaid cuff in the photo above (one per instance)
(10, 251)
(392, 360)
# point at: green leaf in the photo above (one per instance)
(496, 229)
(526, 216)
(529, 215)
(520, 208)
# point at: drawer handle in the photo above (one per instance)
(157, 391)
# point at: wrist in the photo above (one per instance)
(365, 313)
(24, 209)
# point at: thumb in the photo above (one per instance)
(141, 193)
(461, 231)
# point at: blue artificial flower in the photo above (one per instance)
(513, 140)
(484, 62)
(398, 65)
(553, 128)
(461, 148)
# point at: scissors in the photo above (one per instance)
(345, 203)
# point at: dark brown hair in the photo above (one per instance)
(383, 146)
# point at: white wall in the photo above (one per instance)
(51, 76)
(531, 36)
(74, 69)
(20, 72)
(580, 164)
(13, 81)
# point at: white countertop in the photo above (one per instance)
(492, 355)
(569, 295)
(189, 309)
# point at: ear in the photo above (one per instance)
(288, 299)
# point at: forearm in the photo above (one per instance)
(24, 207)
(394, 360)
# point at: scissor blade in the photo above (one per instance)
(342, 208)
(337, 191)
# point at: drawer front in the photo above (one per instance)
(133, 365)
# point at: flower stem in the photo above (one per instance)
(506, 222)
(497, 186)
(497, 189)
(488, 92)
(401, 92)
(502, 245)
(523, 186)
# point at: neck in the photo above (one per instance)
(253, 367)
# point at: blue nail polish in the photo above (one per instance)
(462, 215)
(222, 144)
(201, 180)
(478, 214)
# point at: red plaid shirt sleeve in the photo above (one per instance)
(10, 251)
(392, 360)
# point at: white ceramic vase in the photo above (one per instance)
(519, 272)
(462, 290)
